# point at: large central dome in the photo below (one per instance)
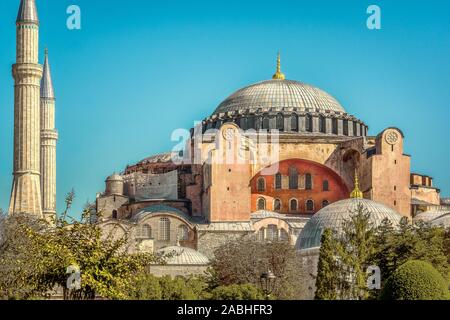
(291, 107)
(280, 94)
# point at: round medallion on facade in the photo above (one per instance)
(229, 134)
(392, 137)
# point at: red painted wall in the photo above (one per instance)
(337, 188)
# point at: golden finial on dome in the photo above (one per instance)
(356, 193)
(279, 75)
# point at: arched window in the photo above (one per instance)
(251, 122)
(293, 178)
(326, 185)
(284, 236)
(114, 214)
(325, 203)
(345, 129)
(309, 205)
(294, 122)
(261, 234)
(144, 232)
(280, 122)
(308, 124)
(308, 181)
(334, 123)
(261, 204)
(277, 205)
(293, 205)
(164, 229)
(261, 184)
(322, 124)
(272, 233)
(278, 181)
(183, 233)
(265, 123)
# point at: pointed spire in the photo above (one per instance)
(46, 82)
(279, 75)
(356, 193)
(27, 11)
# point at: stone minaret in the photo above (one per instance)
(27, 73)
(49, 137)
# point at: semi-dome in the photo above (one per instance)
(334, 215)
(280, 95)
(177, 255)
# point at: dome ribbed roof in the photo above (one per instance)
(442, 221)
(333, 216)
(428, 216)
(182, 256)
(280, 94)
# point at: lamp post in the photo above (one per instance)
(267, 281)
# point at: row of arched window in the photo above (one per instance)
(254, 122)
(293, 205)
(145, 231)
(293, 181)
(272, 233)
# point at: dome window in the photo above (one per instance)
(278, 181)
(183, 233)
(164, 229)
(294, 122)
(272, 233)
(293, 205)
(280, 122)
(261, 204)
(309, 205)
(326, 185)
(293, 178)
(309, 123)
(277, 205)
(308, 181)
(325, 203)
(144, 232)
(261, 184)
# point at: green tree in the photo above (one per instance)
(243, 261)
(327, 282)
(415, 280)
(356, 249)
(395, 246)
(237, 292)
(34, 257)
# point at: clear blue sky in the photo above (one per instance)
(139, 69)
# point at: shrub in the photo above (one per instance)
(237, 292)
(415, 280)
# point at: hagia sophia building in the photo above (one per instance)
(276, 160)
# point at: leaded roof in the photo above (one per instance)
(27, 11)
(177, 255)
(334, 215)
(280, 94)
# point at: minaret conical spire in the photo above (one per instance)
(279, 75)
(46, 82)
(27, 11)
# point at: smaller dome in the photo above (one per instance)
(115, 177)
(428, 216)
(442, 221)
(183, 256)
(334, 215)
